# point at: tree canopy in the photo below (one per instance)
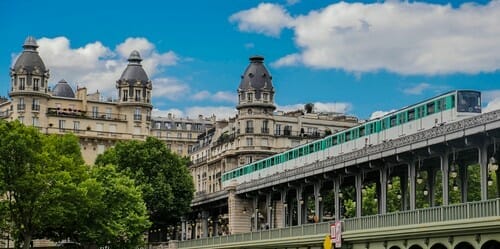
(48, 192)
(163, 176)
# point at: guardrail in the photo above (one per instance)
(470, 210)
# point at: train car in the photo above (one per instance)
(445, 108)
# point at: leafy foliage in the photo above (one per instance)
(48, 192)
(163, 176)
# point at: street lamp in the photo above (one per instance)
(419, 178)
(426, 191)
(493, 163)
(490, 181)
(455, 185)
(453, 169)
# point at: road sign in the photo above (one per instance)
(338, 234)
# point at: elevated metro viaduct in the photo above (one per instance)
(438, 162)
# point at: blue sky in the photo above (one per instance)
(359, 58)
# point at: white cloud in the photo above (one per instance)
(492, 99)
(220, 96)
(292, 2)
(378, 114)
(249, 45)
(170, 88)
(319, 107)
(98, 67)
(398, 36)
(288, 60)
(266, 18)
(417, 89)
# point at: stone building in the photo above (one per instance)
(257, 131)
(98, 122)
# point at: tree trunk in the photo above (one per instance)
(27, 241)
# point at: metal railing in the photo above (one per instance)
(470, 210)
(59, 112)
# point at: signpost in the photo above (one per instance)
(336, 234)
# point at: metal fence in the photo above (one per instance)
(461, 211)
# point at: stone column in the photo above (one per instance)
(204, 223)
(317, 202)
(404, 189)
(269, 207)
(483, 164)
(358, 186)
(413, 185)
(278, 214)
(336, 190)
(285, 208)
(299, 205)
(462, 169)
(382, 199)
(255, 213)
(445, 177)
(239, 212)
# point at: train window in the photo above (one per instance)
(452, 101)
(361, 131)
(371, 128)
(335, 140)
(393, 121)
(401, 118)
(347, 136)
(469, 101)
(430, 108)
(411, 114)
(420, 111)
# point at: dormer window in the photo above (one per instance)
(137, 95)
(250, 97)
(36, 83)
(125, 95)
(22, 83)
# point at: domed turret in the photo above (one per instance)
(134, 86)
(29, 61)
(256, 76)
(134, 71)
(256, 86)
(63, 89)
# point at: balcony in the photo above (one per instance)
(21, 107)
(74, 113)
(35, 108)
(265, 130)
(137, 117)
(249, 130)
(4, 114)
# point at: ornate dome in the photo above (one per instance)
(134, 71)
(63, 89)
(256, 76)
(29, 60)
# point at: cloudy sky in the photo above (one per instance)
(360, 58)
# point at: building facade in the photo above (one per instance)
(257, 131)
(98, 122)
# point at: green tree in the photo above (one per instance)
(36, 180)
(163, 176)
(115, 214)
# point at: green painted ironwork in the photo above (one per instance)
(468, 210)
